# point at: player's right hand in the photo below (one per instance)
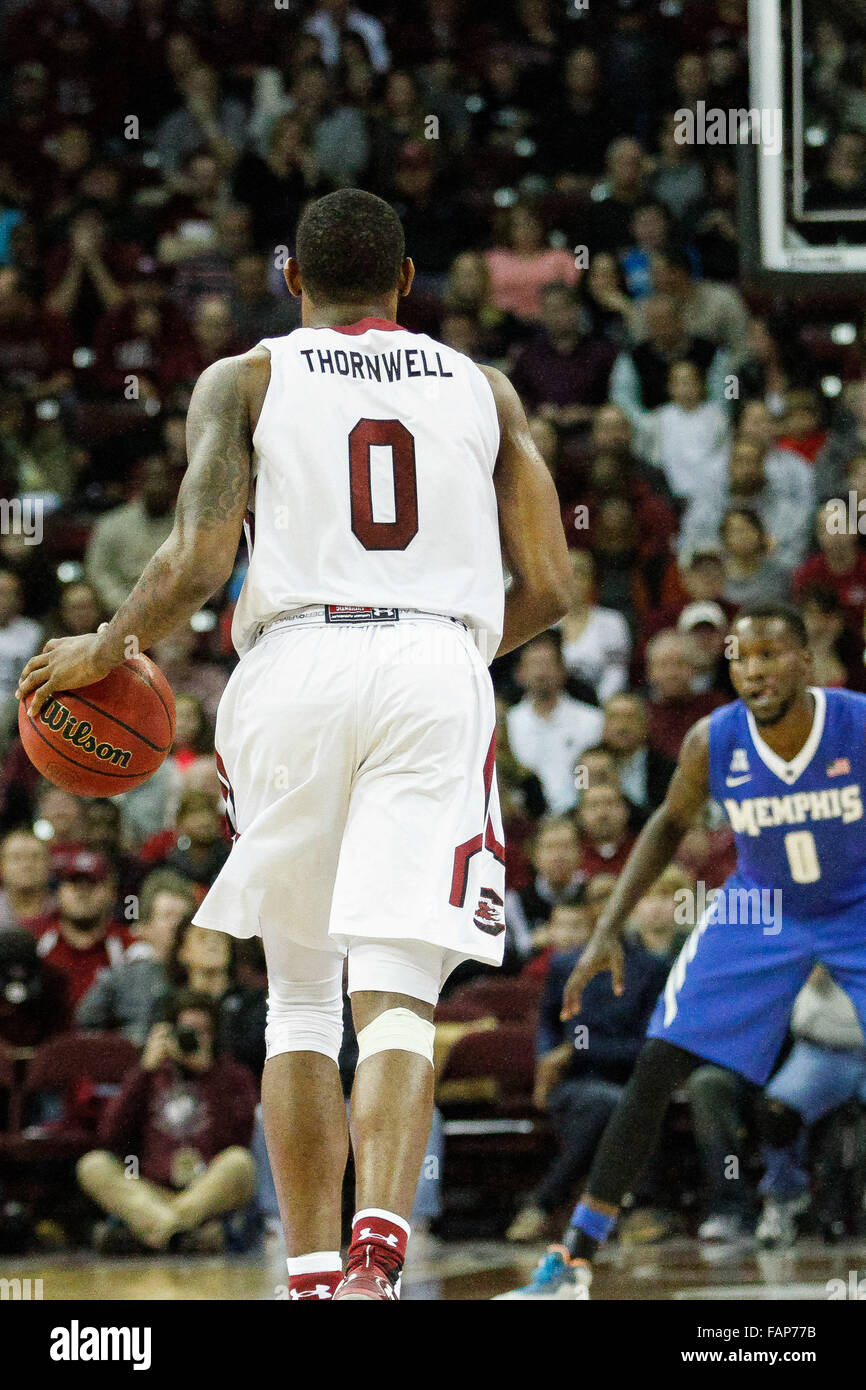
(603, 952)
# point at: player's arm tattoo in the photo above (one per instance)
(199, 554)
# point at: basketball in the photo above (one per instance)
(105, 738)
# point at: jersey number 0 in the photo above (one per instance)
(383, 535)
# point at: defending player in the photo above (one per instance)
(383, 477)
(788, 763)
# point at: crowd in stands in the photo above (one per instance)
(154, 158)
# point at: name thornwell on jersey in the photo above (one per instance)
(375, 366)
(77, 1343)
(759, 813)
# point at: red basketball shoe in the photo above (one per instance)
(375, 1260)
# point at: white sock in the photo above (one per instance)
(319, 1262)
(385, 1215)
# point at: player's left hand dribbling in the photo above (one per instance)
(65, 663)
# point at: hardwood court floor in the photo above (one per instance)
(464, 1270)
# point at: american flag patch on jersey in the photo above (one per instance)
(840, 768)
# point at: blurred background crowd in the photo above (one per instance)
(154, 158)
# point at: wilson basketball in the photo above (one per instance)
(105, 738)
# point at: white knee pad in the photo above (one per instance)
(305, 1017)
(397, 1029)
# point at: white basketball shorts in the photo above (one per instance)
(358, 767)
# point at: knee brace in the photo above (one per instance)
(397, 1030)
(305, 1017)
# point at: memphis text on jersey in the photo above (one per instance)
(375, 366)
(757, 813)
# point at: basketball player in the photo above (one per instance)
(788, 762)
(383, 477)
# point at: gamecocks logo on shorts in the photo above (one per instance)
(489, 916)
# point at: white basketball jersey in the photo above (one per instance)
(373, 481)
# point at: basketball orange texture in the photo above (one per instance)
(105, 738)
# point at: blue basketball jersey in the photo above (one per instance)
(799, 826)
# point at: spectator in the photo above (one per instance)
(563, 374)
(674, 706)
(801, 427)
(826, 1068)
(845, 441)
(80, 610)
(126, 995)
(201, 850)
(85, 276)
(276, 187)
(771, 365)
(555, 853)
(103, 833)
(575, 127)
(622, 190)
(651, 228)
(839, 565)
(565, 930)
(35, 344)
(596, 767)
(582, 1067)
(244, 1009)
(33, 1002)
(521, 268)
(435, 224)
(183, 659)
(707, 626)
(136, 342)
(639, 382)
(59, 820)
(187, 1112)
(468, 292)
(610, 469)
(679, 179)
(83, 940)
(831, 653)
(205, 119)
(26, 900)
(125, 539)
(602, 819)
(596, 642)
(548, 729)
(256, 311)
(752, 573)
(714, 223)
(336, 132)
(201, 959)
(522, 801)
(715, 313)
(20, 637)
(334, 20)
(776, 485)
(698, 578)
(602, 293)
(689, 436)
(643, 771)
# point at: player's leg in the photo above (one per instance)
(728, 999)
(303, 1108)
(394, 987)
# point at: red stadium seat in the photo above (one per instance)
(60, 1063)
(509, 1000)
(504, 1055)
